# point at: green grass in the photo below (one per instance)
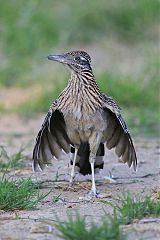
(126, 209)
(138, 99)
(129, 92)
(31, 29)
(9, 162)
(42, 101)
(36, 25)
(76, 228)
(18, 194)
(56, 198)
(142, 121)
(129, 208)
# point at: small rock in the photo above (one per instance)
(39, 228)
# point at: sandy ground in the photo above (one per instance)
(40, 223)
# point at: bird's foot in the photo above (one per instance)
(90, 195)
(93, 193)
(98, 195)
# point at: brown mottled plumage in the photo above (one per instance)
(84, 118)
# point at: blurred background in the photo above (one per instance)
(120, 35)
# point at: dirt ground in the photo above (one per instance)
(39, 224)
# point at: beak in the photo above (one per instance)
(58, 58)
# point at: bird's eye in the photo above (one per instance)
(77, 58)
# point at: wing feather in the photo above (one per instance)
(45, 148)
(117, 134)
(51, 139)
(54, 146)
(120, 148)
(112, 142)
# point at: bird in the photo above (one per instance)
(82, 121)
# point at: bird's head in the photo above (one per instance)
(77, 61)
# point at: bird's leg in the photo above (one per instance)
(94, 142)
(73, 166)
(93, 191)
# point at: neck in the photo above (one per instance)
(84, 79)
(83, 90)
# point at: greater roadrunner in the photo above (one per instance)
(82, 119)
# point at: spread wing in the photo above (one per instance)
(117, 134)
(51, 139)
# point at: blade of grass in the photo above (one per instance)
(19, 195)
(10, 162)
(129, 208)
(76, 228)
